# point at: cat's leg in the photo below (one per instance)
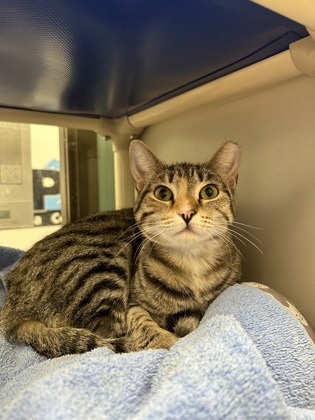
(56, 341)
(144, 333)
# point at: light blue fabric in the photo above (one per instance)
(249, 358)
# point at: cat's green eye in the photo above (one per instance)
(209, 192)
(163, 194)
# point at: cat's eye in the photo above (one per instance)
(209, 192)
(163, 194)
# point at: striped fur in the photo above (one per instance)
(131, 280)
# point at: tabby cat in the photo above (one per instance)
(134, 279)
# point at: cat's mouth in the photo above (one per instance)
(193, 233)
(187, 231)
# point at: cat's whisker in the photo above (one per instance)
(248, 233)
(145, 242)
(225, 239)
(232, 233)
(246, 225)
(130, 228)
(132, 238)
(138, 234)
(237, 235)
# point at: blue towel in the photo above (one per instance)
(249, 358)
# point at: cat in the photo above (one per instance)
(131, 280)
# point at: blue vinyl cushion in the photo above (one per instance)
(115, 57)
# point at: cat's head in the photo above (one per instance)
(184, 204)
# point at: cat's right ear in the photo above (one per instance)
(143, 163)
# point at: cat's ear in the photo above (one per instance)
(226, 162)
(143, 163)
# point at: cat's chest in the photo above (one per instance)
(167, 284)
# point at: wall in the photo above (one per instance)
(276, 128)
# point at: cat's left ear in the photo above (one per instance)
(226, 162)
(143, 163)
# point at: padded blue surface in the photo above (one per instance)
(116, 57)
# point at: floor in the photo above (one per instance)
(24, 238)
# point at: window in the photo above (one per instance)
(48, 176)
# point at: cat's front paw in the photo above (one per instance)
(162, 341)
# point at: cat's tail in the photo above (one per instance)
(59, 341)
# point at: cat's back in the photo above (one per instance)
(93, 233)
(80, 250)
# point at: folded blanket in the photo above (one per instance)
(249, 358)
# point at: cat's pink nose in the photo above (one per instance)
(188, 215)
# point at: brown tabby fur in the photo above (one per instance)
(131, 280)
